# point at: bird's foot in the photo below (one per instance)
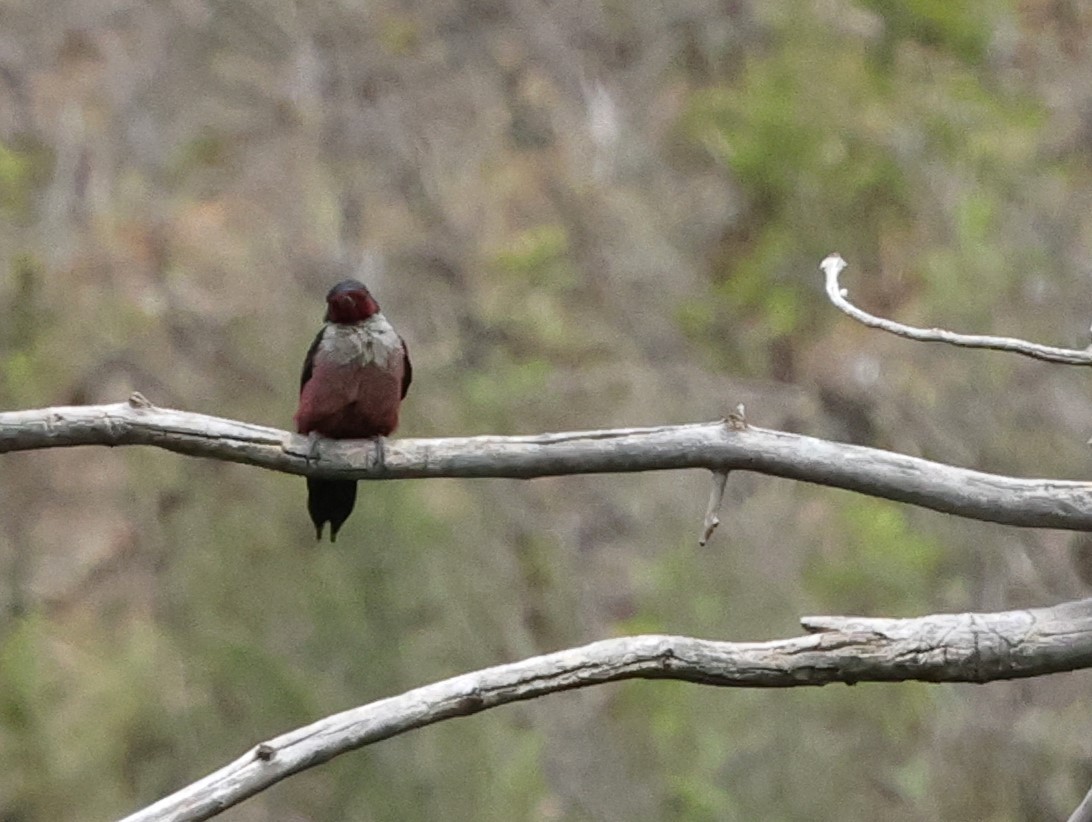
(380, 451)
(313, 440)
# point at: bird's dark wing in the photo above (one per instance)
(407, 368)
(309, 361)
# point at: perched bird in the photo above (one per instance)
(355, 376)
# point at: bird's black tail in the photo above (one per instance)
(330, 501)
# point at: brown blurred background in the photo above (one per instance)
(579, 215)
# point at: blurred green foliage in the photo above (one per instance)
(819, 134)
(25, 165)
(806, 130)
(21, 319)
(954, 28)
(879, 562)
(538, 258)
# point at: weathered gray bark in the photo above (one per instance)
(717, 446)
(939, 648)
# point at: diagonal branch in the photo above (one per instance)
(833, 266)
(1083, 812)
(716, 446)
(938, 648)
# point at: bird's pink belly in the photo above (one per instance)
(350, 402)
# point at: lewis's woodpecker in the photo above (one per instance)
(354, 378)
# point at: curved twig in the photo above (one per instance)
(716, 446)
(938, 648)
(833, 266)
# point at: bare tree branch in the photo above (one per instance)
(833, 266)
(716, 446)
(938, 648)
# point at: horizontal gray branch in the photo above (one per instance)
(939, 648)
(718, 446)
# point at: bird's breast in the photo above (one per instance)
(372, 342)
(355, 384)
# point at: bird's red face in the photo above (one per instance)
(349, 302)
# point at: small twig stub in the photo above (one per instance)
(716, 498)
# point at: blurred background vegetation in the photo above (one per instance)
(579, 215)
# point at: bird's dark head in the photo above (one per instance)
(350, 302)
